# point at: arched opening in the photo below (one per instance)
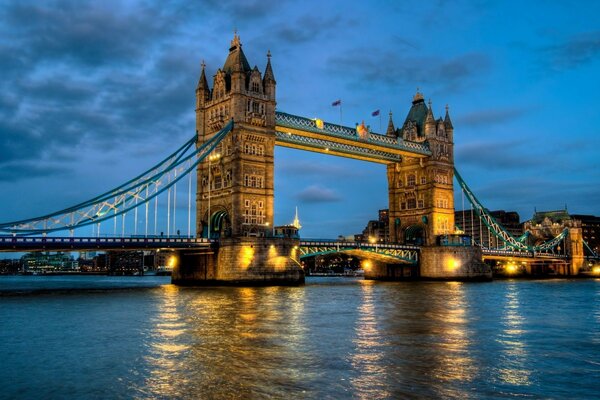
(220, 225)
(414, 234)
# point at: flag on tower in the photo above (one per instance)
(375, 113)
(338, 102)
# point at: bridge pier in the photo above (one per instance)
(462, 263)
(242, 261)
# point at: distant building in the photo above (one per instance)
(468, 222)
(48, 262)
(590, 227)
(548, 224)
(377, 230)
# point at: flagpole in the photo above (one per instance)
(380, 131)
(341, 123)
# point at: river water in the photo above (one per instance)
(334, 338)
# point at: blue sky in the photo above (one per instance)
(94, 92)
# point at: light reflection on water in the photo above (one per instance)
(368, 355)
(330, 339)
(513, 360)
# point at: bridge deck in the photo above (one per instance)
(303, 133)
(9, 243)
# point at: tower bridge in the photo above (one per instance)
(231, 156)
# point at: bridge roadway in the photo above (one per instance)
(20, 243)
(385, 252)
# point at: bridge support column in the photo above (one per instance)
(462, 263)
(244, 261)
(575, 249)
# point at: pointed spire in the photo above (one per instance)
(236, 60)
(202, 82)
(391, 131)
(447, 120)
(269, 70)
(296, 222)
(429, 117)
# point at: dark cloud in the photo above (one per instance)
(491, 116)
(496, 155)
(13, 172)
(318, 194)
(91, 33)
(306, 28)
(378, 66)
(574, 51)
(545, 193)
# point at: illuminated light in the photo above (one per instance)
(319, 123)
(511, 268)
(295, 247)
(172, 263)
(367, 265)
(372, 239)
(452, 264)
(596, 270)
(247, 256)
(326, 148)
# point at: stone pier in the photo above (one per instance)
(461, 263)
(241, 261)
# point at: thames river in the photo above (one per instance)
(334, 338)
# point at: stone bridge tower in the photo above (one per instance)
(421, 194)
(240, 180)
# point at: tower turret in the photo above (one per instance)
(429, 122)
(448, 125)
(269, 82)
(391, 131)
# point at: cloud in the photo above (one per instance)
(380, 66)
(318, 194)
(306, 28)
(496, 155)
(574, 51)
(307, 168)
(14, 172)
(492, 116)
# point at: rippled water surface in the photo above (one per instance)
(330, 339)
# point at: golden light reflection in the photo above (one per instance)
(455, 362)
(513, 364)
(167, 343)
(596, 270)
(369, 349)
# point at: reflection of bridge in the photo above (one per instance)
(232, 157)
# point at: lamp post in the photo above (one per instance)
(212, 157)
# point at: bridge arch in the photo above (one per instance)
(220, 223)
(415, 234)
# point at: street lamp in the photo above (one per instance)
(211, 158)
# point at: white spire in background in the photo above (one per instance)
(296, 222)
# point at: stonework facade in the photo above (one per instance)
(240, 180)
(421, 194)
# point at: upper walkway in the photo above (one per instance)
(322, 137)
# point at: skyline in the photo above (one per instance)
(87, 84)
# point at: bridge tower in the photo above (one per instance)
(234, 199)
(240, 180)
(421, 194)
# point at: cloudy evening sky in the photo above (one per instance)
(93, 93)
